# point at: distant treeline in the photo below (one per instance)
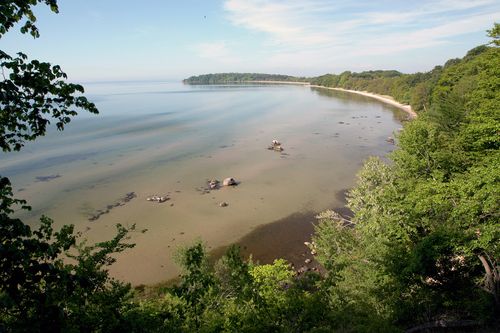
(240, 77)
(413, 89)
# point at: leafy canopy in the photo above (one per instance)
(32, 92)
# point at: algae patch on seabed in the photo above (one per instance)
(121, 202)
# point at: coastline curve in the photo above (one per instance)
(382, 98)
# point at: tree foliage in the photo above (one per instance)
(422, 246)
(48, 282)
(495, 34)
(426, 230)
(11, 12)
(32, 92)
(30, 95)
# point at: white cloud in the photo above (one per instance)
(360, 28)
(281, 20)
(311, 37)
(423, 37)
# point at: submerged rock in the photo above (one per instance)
(276, 146)
(213, 184)
(157, 198)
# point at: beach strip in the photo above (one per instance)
(383, 98)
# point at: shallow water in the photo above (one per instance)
(168, 138)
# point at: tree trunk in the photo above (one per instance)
(491, 278)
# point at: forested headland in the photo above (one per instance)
(222, 78)
(421, 251)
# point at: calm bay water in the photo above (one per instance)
(168, 138)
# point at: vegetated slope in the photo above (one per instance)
(414, 89)
(426, 241)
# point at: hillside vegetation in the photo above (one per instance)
(422, 250)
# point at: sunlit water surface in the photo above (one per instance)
(168, 139)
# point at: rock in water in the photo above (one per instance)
(213, 184)
(229, 182)
(157, 198)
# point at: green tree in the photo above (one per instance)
(495, 34)
(423, 242)
(233, 275)
(32, 92)
(39, 290)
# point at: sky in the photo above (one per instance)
(110, 40)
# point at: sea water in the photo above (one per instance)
(168, 139)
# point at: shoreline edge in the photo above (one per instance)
(382, 98)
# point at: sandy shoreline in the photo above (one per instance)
(382, 98)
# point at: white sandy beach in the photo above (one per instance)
(383, 98)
